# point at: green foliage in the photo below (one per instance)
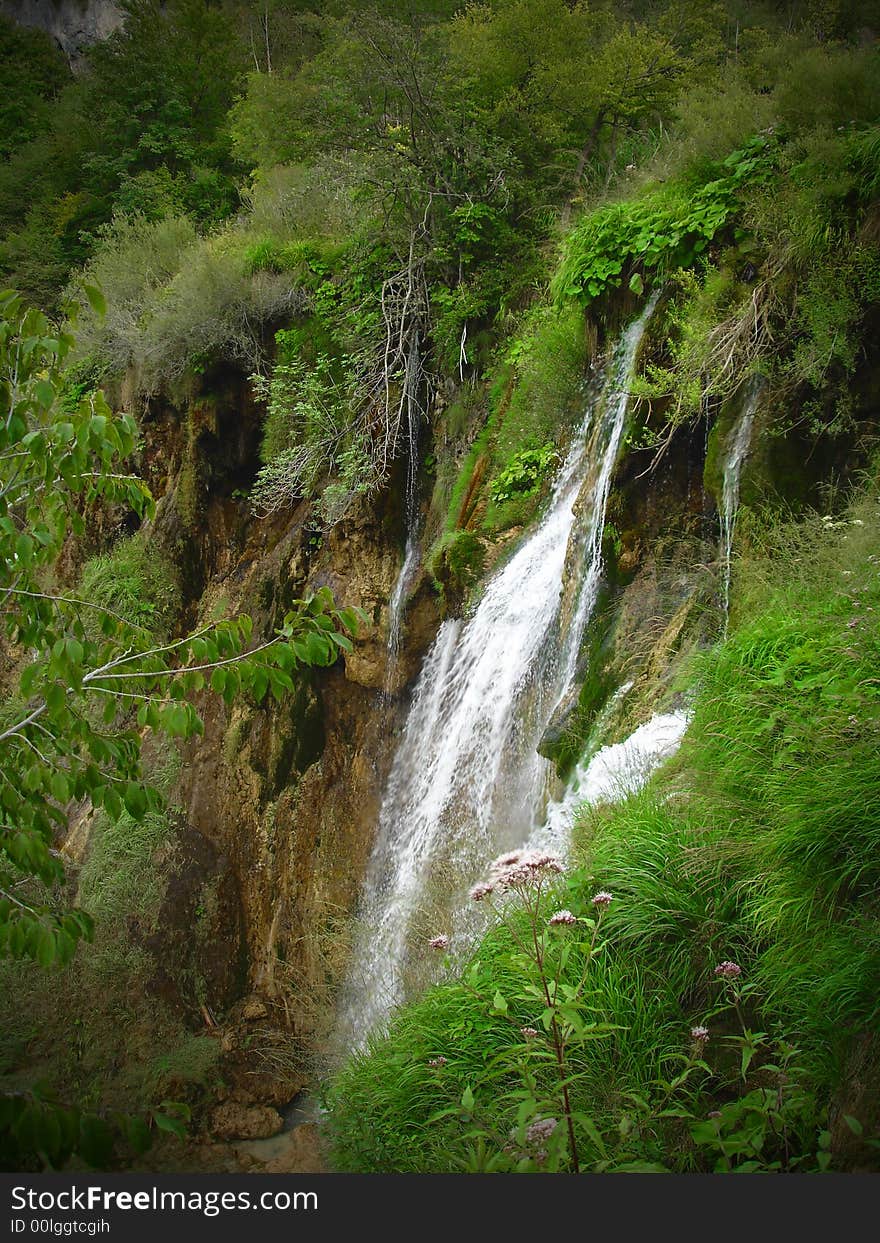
(789, 298)
(666, 229)
(36, 1131)
(524, 474)
(32, 72)
(141, 129)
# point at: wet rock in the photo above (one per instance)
(232, 1120)
(253, 1008)
(293, 1152)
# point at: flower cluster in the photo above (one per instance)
(525, 867)
(440, 942)
(562, 917)
(700, 1034)
(517, 869)
(602, 900)
(437, 1061)
(529, 1032)
(537, 1134)
(728, 970)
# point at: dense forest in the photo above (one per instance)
(430, 433)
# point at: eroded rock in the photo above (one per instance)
(232, 1120)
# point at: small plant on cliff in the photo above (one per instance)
(89, 681)
(524, 475)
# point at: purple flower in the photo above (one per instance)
(437, 1061)
(529, 1032)
(520, 868)
(602, 899)
(562, 917)
(440, 942)
(728, 970)
(700, 1034)
(540, 1131)
(506, 861)
(482, 890)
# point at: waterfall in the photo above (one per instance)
(737, 448)
(612, 773)
(467, 781)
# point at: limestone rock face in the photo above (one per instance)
(283, 795)
(74, 24)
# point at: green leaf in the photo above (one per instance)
(45, 954)
(173, 1126)
(96, 300)
(135, 800)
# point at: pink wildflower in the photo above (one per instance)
(562, 917)
(523, 868)
(482, 890)
(437, 1061)
(602, 899)
(529, 1032)
(440, 942)
(728, 970)
(700, 1034)
(540, 1131)
(506, 861)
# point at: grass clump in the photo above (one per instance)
(137, 584)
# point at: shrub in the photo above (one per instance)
(665, 229)
(176, 301)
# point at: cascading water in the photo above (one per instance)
(467, 781)
(738, 447)
(612, 773)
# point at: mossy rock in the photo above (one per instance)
(456, 563)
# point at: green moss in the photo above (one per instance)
(456, 562)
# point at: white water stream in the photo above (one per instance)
(397, 603)
(467, 781)
(737, 449)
